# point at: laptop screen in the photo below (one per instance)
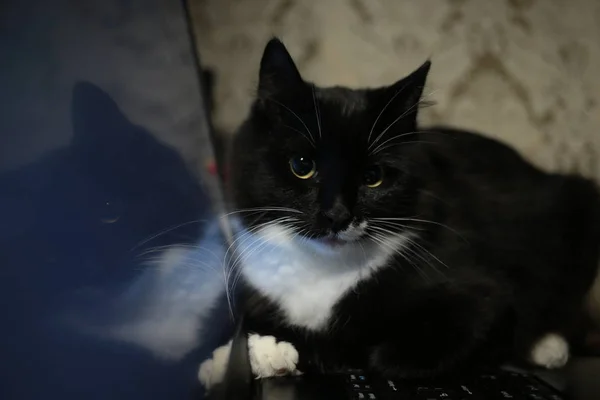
(110, 243)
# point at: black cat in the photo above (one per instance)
(366, 241)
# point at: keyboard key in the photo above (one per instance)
(466, 389)
(535, 396)
(532, 388)
(491, 377)
(505, 395)
(424, 389)
(392, 385)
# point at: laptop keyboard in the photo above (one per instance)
(500, 385)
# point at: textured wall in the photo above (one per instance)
(525, 71)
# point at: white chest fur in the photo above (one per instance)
(305, 279)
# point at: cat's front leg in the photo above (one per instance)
(442, 330)
(268, 357)
(212, 371)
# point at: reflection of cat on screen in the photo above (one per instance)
(88, 238)
(180, 249)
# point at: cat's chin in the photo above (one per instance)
(332, 241)
(331, 244)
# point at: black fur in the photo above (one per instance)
(506, 255)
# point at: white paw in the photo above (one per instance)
(551, 351)
(212, 371)
(271, 358)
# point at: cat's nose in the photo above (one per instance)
(337, 217)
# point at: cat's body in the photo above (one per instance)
(366, 242)
(531, 280)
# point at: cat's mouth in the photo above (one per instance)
(351, 234)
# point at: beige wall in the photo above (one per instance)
(525, 71)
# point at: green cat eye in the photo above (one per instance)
(303, 167)
(373, 176)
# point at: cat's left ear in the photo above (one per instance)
(407, 92)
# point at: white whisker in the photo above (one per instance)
(317, 113)
(301, 133)
(379, 238)
(407, 219)
(232, 268)
(398, 119)
(259, 244)
(260, 209)
(383, 110)
(163, 232)
(228, 269)
(413, 251)
(295, 115)
(394, 224)
(422, 248)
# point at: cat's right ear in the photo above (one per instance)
(95, 114)
(278, 73)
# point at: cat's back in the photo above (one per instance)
(472, 169)
(510, 211)
(495, 171)
(470, 152)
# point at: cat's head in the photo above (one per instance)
(131, 177)
(330, 164)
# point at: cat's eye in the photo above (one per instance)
(373, 176)
(303, 167)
